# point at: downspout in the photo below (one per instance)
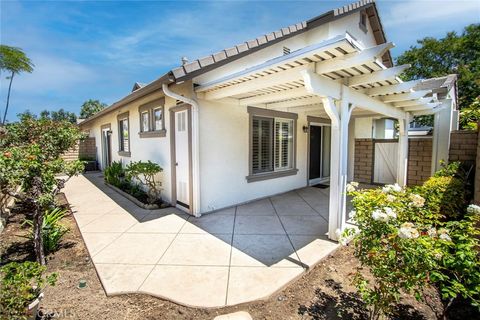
(195, 146)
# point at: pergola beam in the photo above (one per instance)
(272, 97)
(294, 103)
(353, 59)
(377, 76)
(411, 103)
(394, 88)
(405, 96)
(258, 83)
(322, 86)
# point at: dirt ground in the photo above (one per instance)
(323, 293)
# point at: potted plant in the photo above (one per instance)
(21, 289)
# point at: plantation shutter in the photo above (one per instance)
(262, 146)
(283, 143)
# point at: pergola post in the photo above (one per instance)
(335, 154)
(403, 150)
(340, 116)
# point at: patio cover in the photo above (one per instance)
(336, 78)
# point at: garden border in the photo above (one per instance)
(133, 199)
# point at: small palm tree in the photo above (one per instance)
(13, 60)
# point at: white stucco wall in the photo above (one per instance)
(224, 162)
(156, 149)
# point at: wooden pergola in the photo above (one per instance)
(338, 79)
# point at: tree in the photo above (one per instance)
(90, 107)
(14, 61)
(32, 169)
(459, 54)
(60, 115)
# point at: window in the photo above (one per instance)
(158, 119)
(272, 144)
(145, 122)
(363, 21)
(152, 122)
(123, 135)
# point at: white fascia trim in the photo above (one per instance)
(298, 54)
(195, 146)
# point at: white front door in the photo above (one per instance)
(182, 158)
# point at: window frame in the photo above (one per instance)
(120, 118)
(276, 173)
(150, 107)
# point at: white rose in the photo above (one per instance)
(417, 201)
(350, 188)
(445, 237)
(352, 214)
(391, 198)
(390, 213)
(379, 215)
(432, 232)
(473, 209)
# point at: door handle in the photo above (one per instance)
(176, 163)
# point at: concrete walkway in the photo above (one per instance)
(223, 258)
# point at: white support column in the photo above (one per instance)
(345, 113)
(403, 150)
(335, 151)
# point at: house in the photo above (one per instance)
(276, 113)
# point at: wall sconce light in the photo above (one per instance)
(305, 129)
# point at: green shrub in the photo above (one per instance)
(459, 272)
(21, 283)
(406, 243)
(144, 173)
(114, 174)
(52, 230)
(445, 197)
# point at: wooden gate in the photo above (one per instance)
(385, 161)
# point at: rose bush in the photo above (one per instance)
(406, 243)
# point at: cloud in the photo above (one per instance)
(414, 13)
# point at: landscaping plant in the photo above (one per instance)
(114, 174)
(21, 284)
(52, 230)
(32, 169)
(145, 173)
(408, 240)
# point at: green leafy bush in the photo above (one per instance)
(404, 240)
(114, 174)
(52, 230)
(145, 173)
(445, 197)
(21, 283)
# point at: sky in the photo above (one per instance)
(98, 49)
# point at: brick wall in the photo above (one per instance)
(363, 160)
(85, 148)
(463, 147)
(419, 160)
(476, 196)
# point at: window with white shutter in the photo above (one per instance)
(283, 144)
(262, 143)
(272, 144)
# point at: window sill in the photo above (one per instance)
(153, 134)
(124, 154)
(271, 175)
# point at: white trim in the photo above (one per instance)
(353, 59)
(377, 76)
(195, 146)
(394, 88)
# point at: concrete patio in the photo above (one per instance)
(227, 257)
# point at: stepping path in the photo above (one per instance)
(227, 257)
